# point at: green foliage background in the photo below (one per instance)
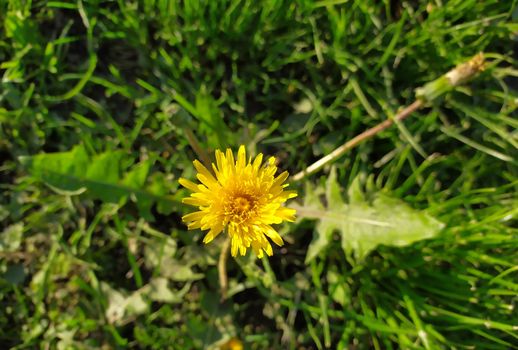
(407, 242)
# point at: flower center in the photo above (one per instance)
(240, 207)
(242, 204)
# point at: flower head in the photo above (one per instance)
(242, 196)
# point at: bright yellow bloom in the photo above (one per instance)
(242, 196)
(232, 344)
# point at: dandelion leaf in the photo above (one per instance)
(365, 222)
(102, 176)
(324, 228)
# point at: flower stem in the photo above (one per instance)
(355, 141)
(222, 268)
(426, 94)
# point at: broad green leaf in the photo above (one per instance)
(363, 224)
(159, 186)
(136, 178)
(102, 173)
(100, 176)
(63, 171)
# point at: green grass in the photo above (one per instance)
(93, 253)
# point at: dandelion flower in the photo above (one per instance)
(243, 197)
(232, 344)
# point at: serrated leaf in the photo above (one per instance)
(160, 291)
(159, 252)
(364, 225)
(324, 229)
(322, 233)
(121, 305)
(321, 239)
(181, 273)
(333, 196)
(388, 221)
(338, 290)
(311, 198)
(354, 192)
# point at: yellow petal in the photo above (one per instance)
(273, 235)
(194, 225)
(233, 247)
(220, 160)
(291, 194)
(280, 179)
(230, 157)
(257, 162)
(209, 182)
(257, 247)
(241, 157)
(197, 202)
(209, 179)
(196, 216)
(188, 184)
(213, 233)
(268, 249)
(287, 214)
